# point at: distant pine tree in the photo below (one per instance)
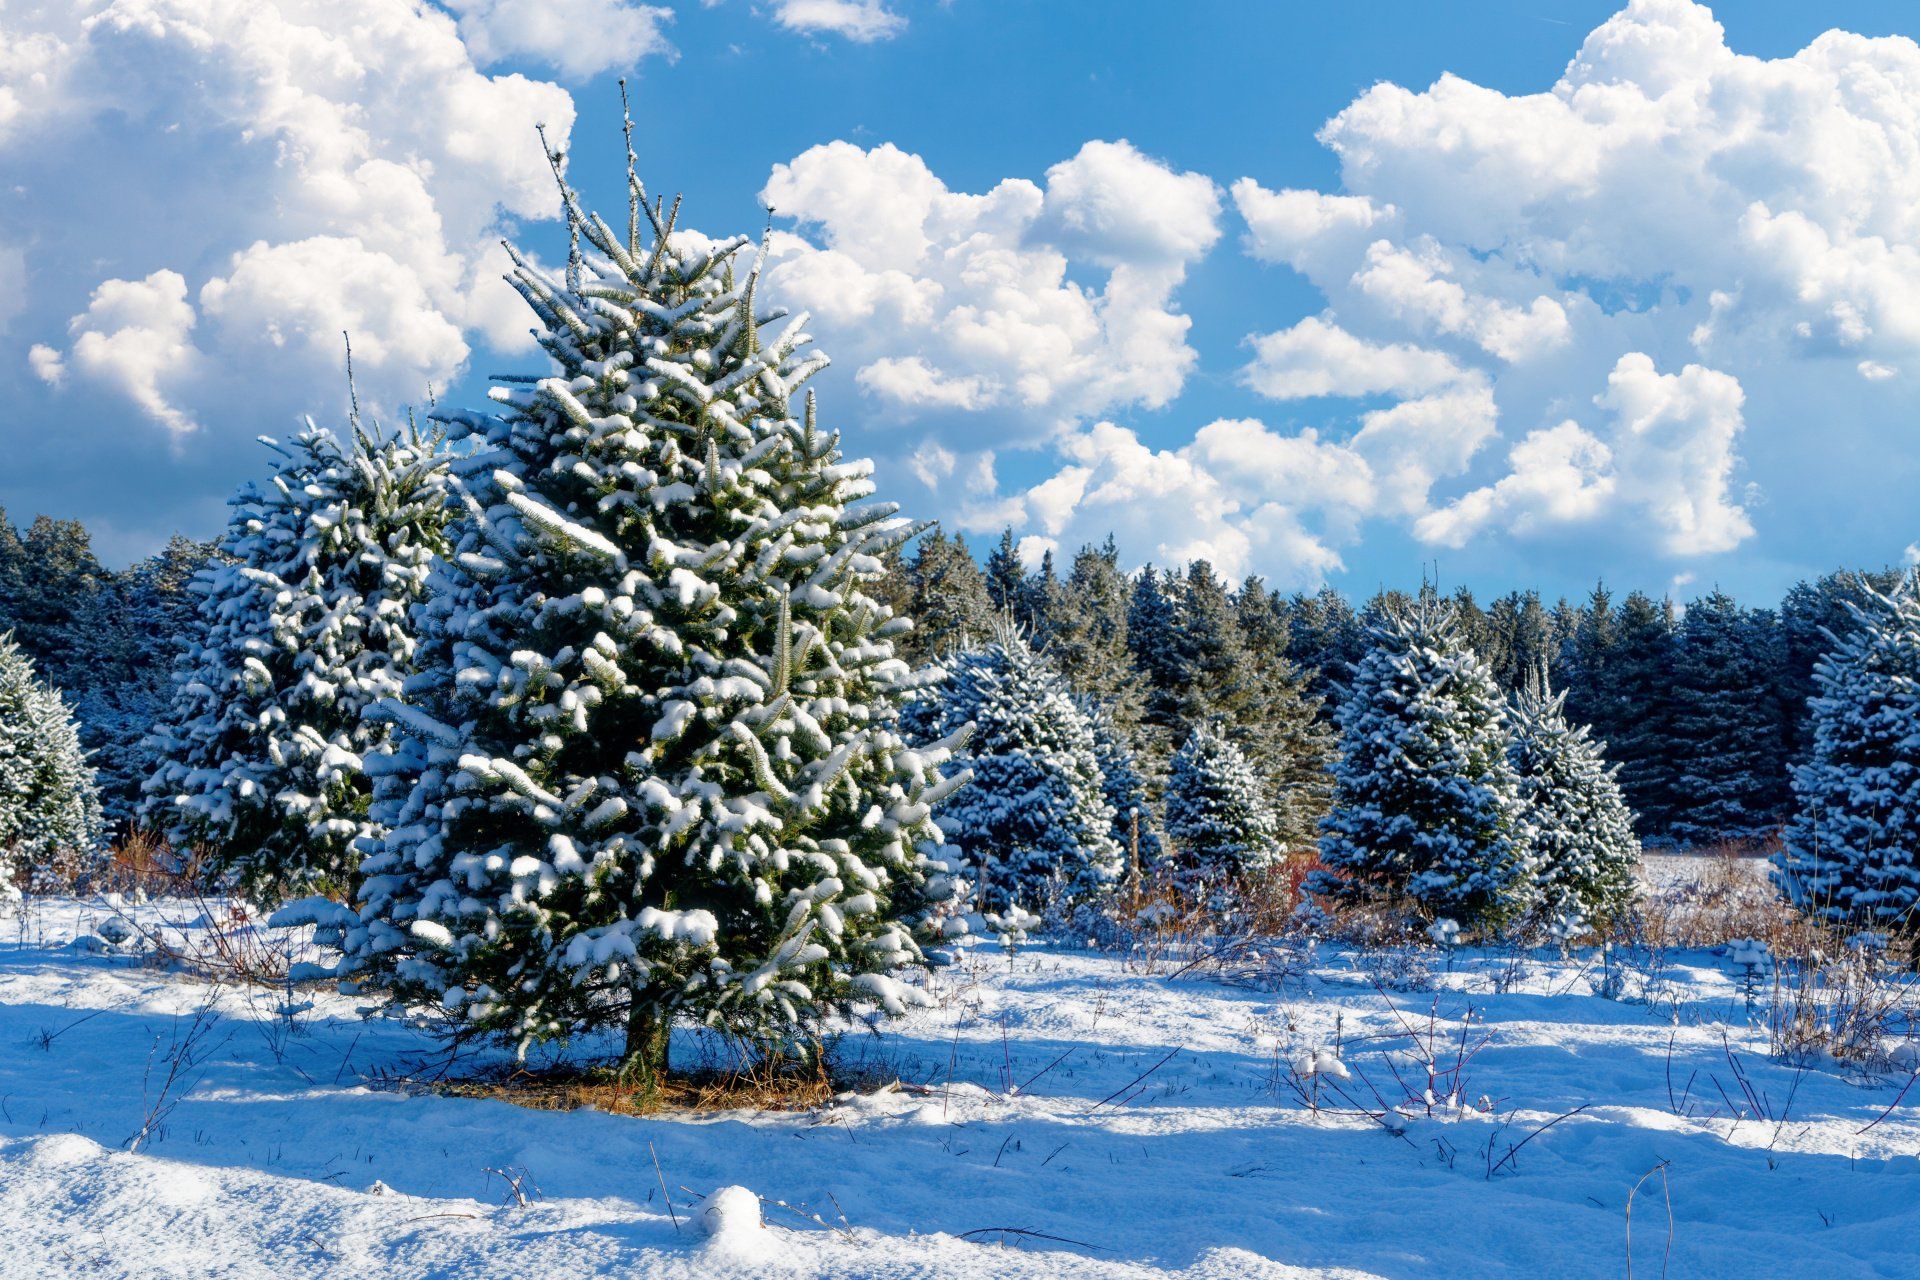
(1325, 638)
(133, 633)
(1006, 576)
(107, 639)
(1851, 853)
(1426, 802)
(1583, 666)
(1521, 639)
(1043, 598)
(1728, 734)
(949, 604)
(1284, 735)
(1631, 704)
(1476, 628)
(1579, 831)
(1210, 668)
(1151, 641)
(1086, 638)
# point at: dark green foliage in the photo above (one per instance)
(1728, 731)
(107, 639)
(946, 598)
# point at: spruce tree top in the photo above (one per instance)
(653, 769)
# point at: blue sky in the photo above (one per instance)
(1635, 293)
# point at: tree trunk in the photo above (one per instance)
(648, 1031)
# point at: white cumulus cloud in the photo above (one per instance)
(1637, 278)
(1044, 303)
(862, 21)
(577, 38)
(134, 337)
(302, 167)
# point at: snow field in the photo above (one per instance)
(1062, 1115)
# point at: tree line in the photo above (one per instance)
(1704, 706)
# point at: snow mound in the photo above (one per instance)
(732, 1214)
(62, 1149)
(735, 1229)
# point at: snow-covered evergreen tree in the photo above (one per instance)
(1852, 850)
(48, 805)
(1219, 821)
(652, 771)
(1126, 791)
(259, 760)
(1426, 805)
(1578, 829)
(1035, 822)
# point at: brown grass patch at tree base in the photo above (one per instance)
(604, 1088)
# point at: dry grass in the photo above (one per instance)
(144, 863)
(141, 864)
(1729, 898)
(604, 1088)
(1166, 920)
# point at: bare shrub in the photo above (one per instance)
(1842, 1002)
(172, 1073)
(1419, 1070)
(230, 942)
(1164, 922)
(144, 864)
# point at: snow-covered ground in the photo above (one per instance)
(1135, 1124)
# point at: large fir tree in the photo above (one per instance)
(653, 771)
(1426, 802)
